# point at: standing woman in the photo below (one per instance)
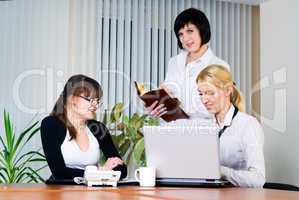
(71, 138)
(192, 30)
(241, 135)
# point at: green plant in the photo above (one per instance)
(126, 133)
(15, 166)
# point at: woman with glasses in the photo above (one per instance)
(71, 138)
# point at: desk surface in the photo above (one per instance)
(45, 192)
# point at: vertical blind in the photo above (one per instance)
(135, 40)
(48, 41)
(33, 59)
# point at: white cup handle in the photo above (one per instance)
(137, 171)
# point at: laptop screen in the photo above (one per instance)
(179, 151)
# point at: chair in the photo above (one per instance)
(280, 186)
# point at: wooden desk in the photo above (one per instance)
(45, 192)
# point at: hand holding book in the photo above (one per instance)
(172, 110)
(156, 110)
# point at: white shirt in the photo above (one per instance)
(74, 157)
(181, 81)
(241, 150)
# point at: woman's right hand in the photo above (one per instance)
(111, 163)
(156, 111)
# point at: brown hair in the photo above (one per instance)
(219, 76)
(76, 85)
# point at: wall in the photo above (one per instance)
(136, 40)
(42, 43)
(279, 94)
(33, 54)
(33, 51)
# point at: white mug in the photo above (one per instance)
(146, 176)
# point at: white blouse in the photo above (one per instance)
(74, 157)
(241, 150)
(181, 81)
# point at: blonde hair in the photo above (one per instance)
(220, 77)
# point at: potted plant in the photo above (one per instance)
(16, 165)
(126, 133)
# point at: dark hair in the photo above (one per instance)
(196, 17)
(76, 85)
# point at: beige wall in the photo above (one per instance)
(280, 91)
(255, 52)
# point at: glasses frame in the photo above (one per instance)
(92, 101)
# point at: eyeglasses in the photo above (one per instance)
(92, 101)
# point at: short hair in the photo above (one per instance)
(196, 17)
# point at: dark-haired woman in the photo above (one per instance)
(192, 30)
(71, 138)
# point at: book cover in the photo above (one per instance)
(174, 111)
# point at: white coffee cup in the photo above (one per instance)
(146, 176)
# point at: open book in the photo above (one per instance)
(172, 105)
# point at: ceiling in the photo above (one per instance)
(250, 2)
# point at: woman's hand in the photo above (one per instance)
(111, 163)
(156, 111)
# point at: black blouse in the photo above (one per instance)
(53, 133)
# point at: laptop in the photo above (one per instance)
(184, 155)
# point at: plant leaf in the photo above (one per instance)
(134, 119)
(116, 112)
(117, 139)
(35, 175)
(30, 153)
(126, 120)
(41, 168)
(3, 179)
(139, 135)
(23, 134)
(120, 126)
(29, 138)
(19, 177)
(20, 172)
(2, 142)
(8, 131)
(2, 160)
(132, 133)
(26, 161)
(151, 121)
(138, 151)
(124, 147)
(31, 178)
(17, 168)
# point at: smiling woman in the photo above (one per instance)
(71, 138)
(192, 30)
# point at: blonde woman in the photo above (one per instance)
(241, 135)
